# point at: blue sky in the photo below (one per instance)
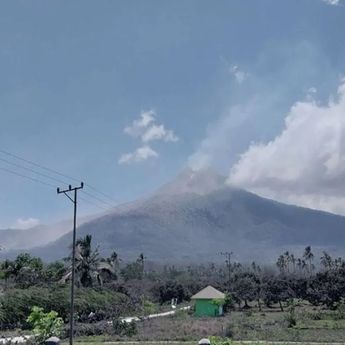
(217, 75)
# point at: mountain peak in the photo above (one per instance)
(200, 182)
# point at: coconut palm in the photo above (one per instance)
(89, 266)
(308, 257)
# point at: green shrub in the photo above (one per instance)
(124, 328)
(16, 304)
(340, 310)
(290, 316)
(92, 329)
(44, 325)
(220, 341)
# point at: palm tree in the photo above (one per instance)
(293, 261)
(309, 256)
(108, 268)
(281, 263)
(89, 266)
(86, 262)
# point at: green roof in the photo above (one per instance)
(209, 293)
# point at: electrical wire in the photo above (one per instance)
(48, 176)
(55, 172)
(49, 185)
(27, 177)
(32, 170)
(95, 197)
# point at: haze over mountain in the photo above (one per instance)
(39, 235)
(196, 216)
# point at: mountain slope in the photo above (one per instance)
(20, 239)
(177, 223)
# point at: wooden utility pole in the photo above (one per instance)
(228, 256)
(74, 201)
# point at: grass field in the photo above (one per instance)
(196, 342)
(312, 325)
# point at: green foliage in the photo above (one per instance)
(290, 317)
(25, 270)
(16, 304)
(149, 307)
(132, 271)
(124, 328)
(220, 341)
(229, 303)
(44, 325)
(218, 301)
(169, 290)
(340, 310)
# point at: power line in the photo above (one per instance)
(99, 192)
(27, 177)
(37, 165)
(55, 172)
(48, 185)
(31, 170)
(95, 197)
(93, 203)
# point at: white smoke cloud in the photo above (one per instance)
(139, 155)
(139, 126)
(146, 130)
(305, 164)
(155, 132)
(24, 224)
(221, 135)
(332, 2)
(239, 75)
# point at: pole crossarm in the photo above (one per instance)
(70, 189)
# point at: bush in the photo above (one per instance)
(290, 317)
(45, 325)
(220, 341)
(340, 310)
(90, 329)
(16, 304)
(124, 328)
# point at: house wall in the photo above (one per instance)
(206, 307)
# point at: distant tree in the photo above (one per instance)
(54, 271)
(308, 256)
(276, 290)
(108, 268)
(282, 264)
(25, 270)
(326, 261)
(86, 263)
(245, 288)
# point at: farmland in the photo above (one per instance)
(300, 299)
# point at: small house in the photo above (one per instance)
(209, 302)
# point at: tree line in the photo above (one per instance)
(110, 287)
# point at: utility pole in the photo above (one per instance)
(228, 256)
(74, 200)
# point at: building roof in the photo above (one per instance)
(209, 293)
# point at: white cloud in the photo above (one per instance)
(146, 130)
(305, 164)
(332, 2)
(139, 155)
(24, 224)
(239, 75)
(139, 126)
(155, 132)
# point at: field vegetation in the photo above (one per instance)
(299, 299)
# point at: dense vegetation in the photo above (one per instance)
(109, 288)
